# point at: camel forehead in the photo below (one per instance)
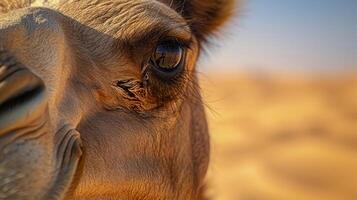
(125, 18)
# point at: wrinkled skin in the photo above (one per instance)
(82, 113)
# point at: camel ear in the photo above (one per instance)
(205, 17)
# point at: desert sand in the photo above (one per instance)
(282, 137)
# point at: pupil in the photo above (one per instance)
(168, 56)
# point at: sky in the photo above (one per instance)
(289, 35)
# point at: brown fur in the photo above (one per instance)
(142, 137)
(204, 17)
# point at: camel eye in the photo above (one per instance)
(167, 58)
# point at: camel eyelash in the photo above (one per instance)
(185, 43)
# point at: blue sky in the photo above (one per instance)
(294, 35)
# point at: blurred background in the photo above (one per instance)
(280, 87)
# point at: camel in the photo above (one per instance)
(99, 99)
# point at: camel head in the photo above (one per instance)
(99, 99)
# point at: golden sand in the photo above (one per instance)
(282, 137)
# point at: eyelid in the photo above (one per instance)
(185, 43)
(179, 34)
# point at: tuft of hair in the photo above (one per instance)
(9, 5)
(205, 17)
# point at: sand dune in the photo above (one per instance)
(282, 137)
